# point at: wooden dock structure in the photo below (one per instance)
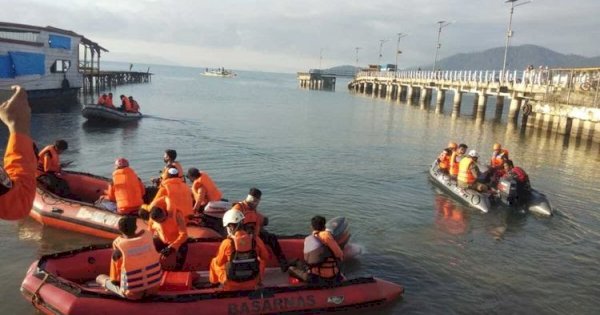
(316, 80)
(566, 101)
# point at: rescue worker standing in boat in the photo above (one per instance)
(126, 191)
(469, 173)
(457, 155)
(178, 192)
(17, 176)
(169, 229)
(241, 259)
(135, 270)
(203, 189)
(322, 255)
(254, 223)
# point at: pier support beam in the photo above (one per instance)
(410, 90)
(457, 101)
(475, 104)
(481, 105)
(439, 101)
(499, 107)
(513, 110)
(425, 97)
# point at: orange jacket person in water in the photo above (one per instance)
(203, 188)
(132, 254)
(17, 177)
(49, 157)
(241, 259)
(127, 189)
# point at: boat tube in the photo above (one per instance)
(470, 197)
(104, 113)
(64, 283)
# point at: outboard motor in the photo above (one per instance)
(338, 227)
(507, 191)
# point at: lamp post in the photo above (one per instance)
(320, 58)
(356, 49)
(509, 32)
(381, 42)
(442, 24)
(400, 35)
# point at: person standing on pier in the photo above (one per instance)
(17, 176)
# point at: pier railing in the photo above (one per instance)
(577, 86)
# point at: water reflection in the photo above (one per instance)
(449, 217)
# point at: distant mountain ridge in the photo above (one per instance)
(519, 57)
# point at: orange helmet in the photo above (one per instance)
(497, 146)
(121, 162)
(452, 145)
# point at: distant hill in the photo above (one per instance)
(519, 57)
(345, 70)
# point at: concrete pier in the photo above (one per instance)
(439, 100)
(499, 107)
(457, 101)
(481, 105)
(425, 97)
(513, 110)
(314, 80)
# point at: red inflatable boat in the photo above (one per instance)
(64, 283)
(82, 215)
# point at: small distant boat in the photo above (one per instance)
(101, 112)
(220, 72)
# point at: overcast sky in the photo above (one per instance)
(288, 36)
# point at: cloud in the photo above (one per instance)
(281, 35)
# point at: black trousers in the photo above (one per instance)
(270, 240)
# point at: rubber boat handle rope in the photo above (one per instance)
(36, 299)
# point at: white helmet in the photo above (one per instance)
(232, 216)
(473, 154)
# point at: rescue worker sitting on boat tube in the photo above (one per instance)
(322, 256)
(135, 270)
(17, 176)
(468, 173)
(241, 260)
(125, 194)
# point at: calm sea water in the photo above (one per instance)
(338, 154)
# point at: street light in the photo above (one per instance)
(442, 24)
(381, 42)
(357, 49)
(509, 33)
(400, 35)
(320, 58)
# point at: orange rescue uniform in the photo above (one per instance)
(109, 102)
(179, 195)
(127, 190)
(329, 268)
(251, 216)
(210, 191)
(498, 158)
(454, 161)
(444, 161)
(126, 104)
(218, 272)
(48, 160)
(465, 174)
(20, 165)
(172, 231)
(101, 100)
(138, 269)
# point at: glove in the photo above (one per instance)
(167, 251)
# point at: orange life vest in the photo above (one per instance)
(135, 107)
(180, 196)
(101, 100)
(444, 161)
(126, 104)
(109, 102)
(165, 175)
(464, 173)
(498, 158)
(319, 257)
(127, 189)
(243, 264)
(206, 183)
(454, 167)
(140, 267)
(48, 160)
(252, 219)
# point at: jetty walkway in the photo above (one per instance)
(566, 101)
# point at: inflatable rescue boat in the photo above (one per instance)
(104, 113)
(64, 283)
(531, 201)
